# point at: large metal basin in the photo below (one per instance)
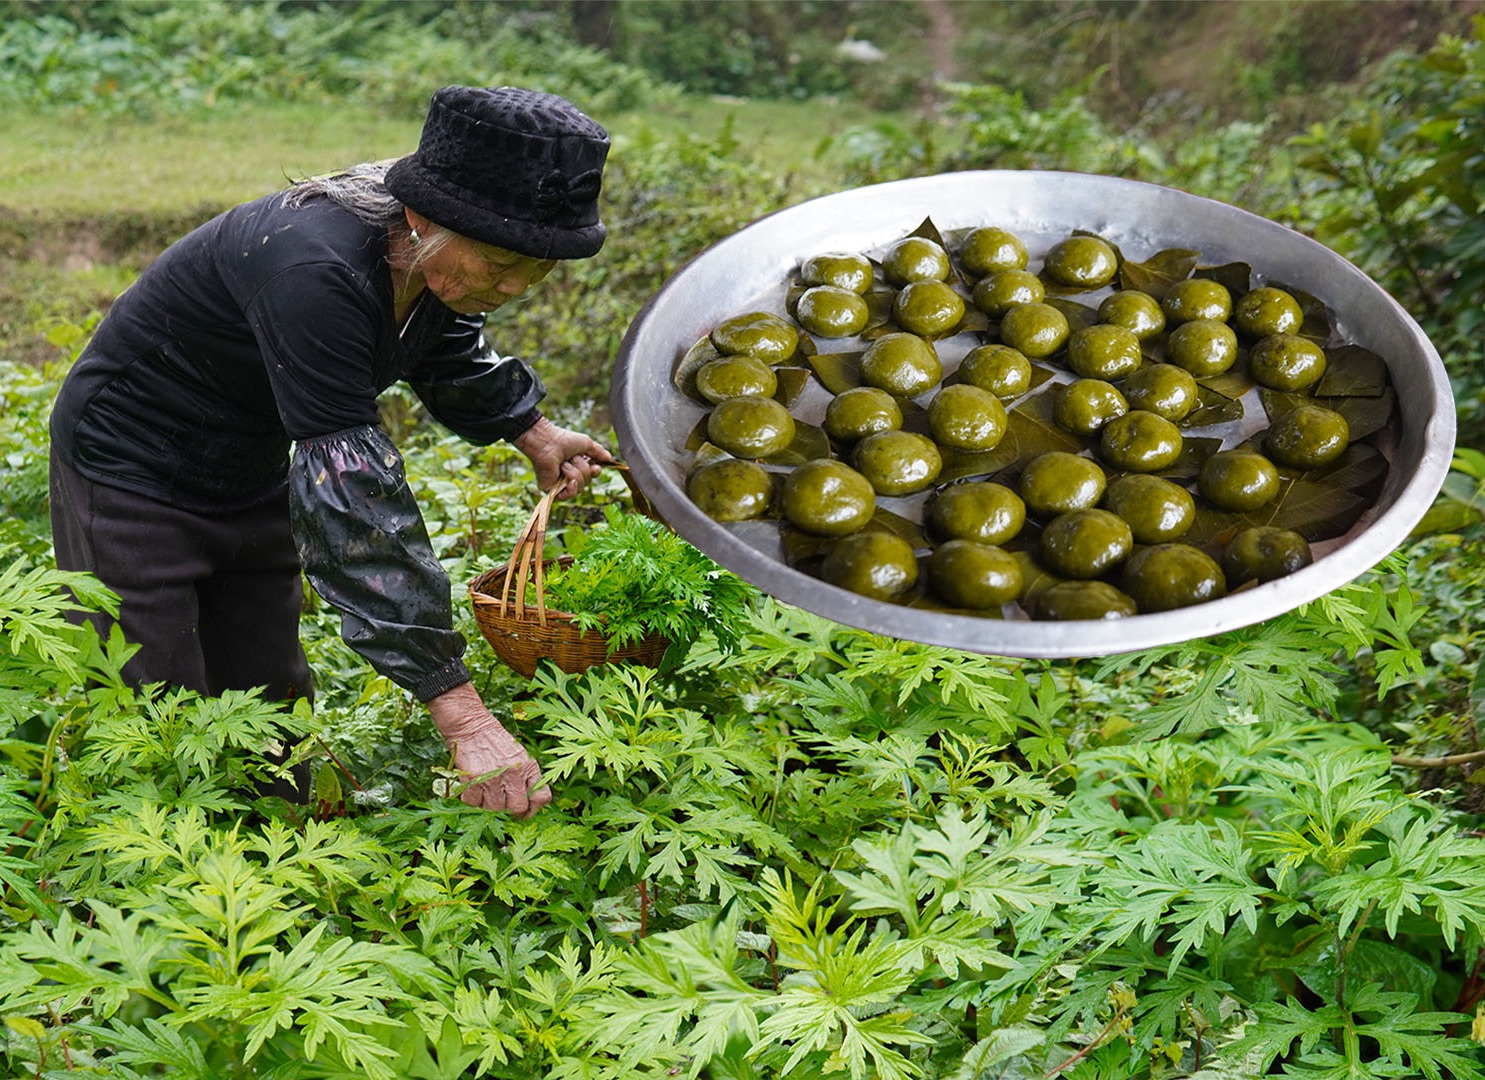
(748, 271)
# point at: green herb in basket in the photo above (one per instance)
(633, 576)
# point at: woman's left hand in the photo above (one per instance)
(559, 454)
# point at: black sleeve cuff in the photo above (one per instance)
(443, 680)
(522, 424)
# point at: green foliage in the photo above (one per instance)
(39, 648)
(988, 126)
(1313, 880)
(766, 48)
(1434, 713)
(1396, 182)
(806, 851)
(147, 57)
(1004, 131)
(25, 405)
(1282, 670)
(634, 577)
(820, 851)
(50, 59)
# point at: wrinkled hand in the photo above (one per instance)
(560, 454)
(481, 745)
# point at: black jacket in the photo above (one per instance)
(270, 326)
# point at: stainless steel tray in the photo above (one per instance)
(749, 270)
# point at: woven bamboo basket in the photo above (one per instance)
(523, 633)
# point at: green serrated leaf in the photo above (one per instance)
(327, 786)
(24, 1025)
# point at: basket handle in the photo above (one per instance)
(526, 557)
(526, 553)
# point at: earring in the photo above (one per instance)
(414, 237)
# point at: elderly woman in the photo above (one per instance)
(220, 431)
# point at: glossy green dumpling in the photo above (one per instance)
(1239, 479)
(1085, 543)
(979, 510)
(861, 411)
(771, 338)
(1308, 437)
(898, 462)
(1264, 553)
(1000, 369)
(827, 497)
(1196, 298)
(1286, 362)
(1157, 510)
(902, 364)
(735, 376)
(731, 490)
(1138, 312)
(842, 269)
(880, 565)
(964, 417)
(1036, 330)
(997, 293)
(1140, 442)
(1266, 311)
(1103, 351)
(829, 311)
(1169, 576)
(915, 258)
(1057, 482)
(1163, 389)
(990, 248)
(974, 575)
(1082, 600)
(928, 308)
(750, 427)
(1081, 261)
(1202, 346)
(1085, 405)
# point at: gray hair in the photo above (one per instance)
(362, 189)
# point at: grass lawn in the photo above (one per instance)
(84, 165)
(80, 165)
(86, 200)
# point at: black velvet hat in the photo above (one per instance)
(519, 169)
